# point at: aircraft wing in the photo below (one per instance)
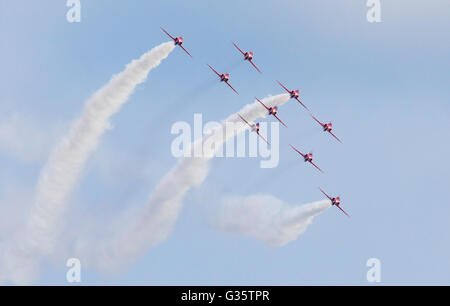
(335, 136)
(214, 70)
(238, 48)
(263, 138)
(316, 166)
(185, 50)
(317, 120)
(232, 87)
(303, 155)
(245, 120)
(251, 62)
(325, 193)
(262, 103)
(343, 211)
(302, 103)
(284, 87)
(280, 120)
(167, 33)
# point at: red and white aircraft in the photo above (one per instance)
(254, 127)
(177, 40)
(327, 127)
(248, 56)
(272, 111)
(224, 77)
(335, 201)
(307, 157)
(294, 94)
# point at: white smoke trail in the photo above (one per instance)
(155, 221)
(266, 218)
(66, 163)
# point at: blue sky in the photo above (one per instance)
(384, 85)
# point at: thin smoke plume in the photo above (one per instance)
(265, 218)
(64, 167)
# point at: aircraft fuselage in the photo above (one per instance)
(224, 77)
(295, 94)
(308, 157)
(248, 56)
(327, 127)
(178, 40)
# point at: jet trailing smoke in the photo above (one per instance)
(156, 220)
(66, 163)
(266, 218)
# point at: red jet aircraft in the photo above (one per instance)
(177, 40)
(307, 157)
(248, 56)
(272, 111)
(335, 201)
(294, 94)
(254, 127)
(224, 77)
(327, 127)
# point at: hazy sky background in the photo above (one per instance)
(384, 85)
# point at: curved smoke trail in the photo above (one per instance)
(266, 218)
(65, 165)
(153, 223)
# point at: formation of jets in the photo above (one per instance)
(272, 110)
